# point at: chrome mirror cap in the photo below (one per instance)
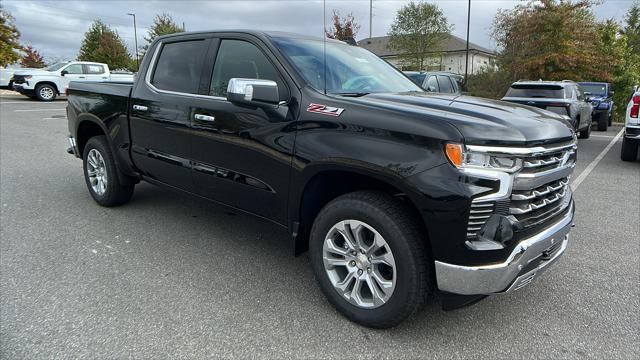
(252, 90)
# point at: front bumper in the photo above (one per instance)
(527, 260)
(23, 90)
(73, 147)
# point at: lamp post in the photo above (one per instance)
(135, 38)
(466, 63)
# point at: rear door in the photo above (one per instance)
(162, 106)
(445, 84)
(241, 154)
(95, 72)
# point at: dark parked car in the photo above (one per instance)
(438, 81)
(398, 195)
(561, 97)
(601, 97)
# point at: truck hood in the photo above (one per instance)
(482, 121)
(33, 72)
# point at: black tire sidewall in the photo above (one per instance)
(407, 267)
(39, 87)
(115, 193)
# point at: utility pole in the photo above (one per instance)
(135, 39)
(370, 18)
(184, 29)
(466, 63)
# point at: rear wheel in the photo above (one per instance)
(585, 133)
(101, 174)
(629, 150)
(45, 92)
(368, 255)
(603, 121)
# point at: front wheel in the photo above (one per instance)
(101, 174)
(46, 92)
(370, 259)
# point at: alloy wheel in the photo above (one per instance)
(359, 264)
(97, 171)
(46, 93)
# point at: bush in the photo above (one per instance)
(490, 83)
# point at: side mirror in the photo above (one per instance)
(611, 93)
(256, 92)
(64, 72)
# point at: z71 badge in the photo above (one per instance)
(324, 109)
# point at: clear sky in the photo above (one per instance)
(57, 27)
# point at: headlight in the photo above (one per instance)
(465, 159)
(28, 77)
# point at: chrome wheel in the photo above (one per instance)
(359, 264)
(97, 172)
(46, 93)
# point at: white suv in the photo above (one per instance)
(631, 139)
(46, 84)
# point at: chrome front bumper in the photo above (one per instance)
(73, 147)
(508, 276)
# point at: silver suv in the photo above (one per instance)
(561, 97)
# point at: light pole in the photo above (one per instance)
(135, 38)
(466, 63)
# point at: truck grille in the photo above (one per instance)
(18, 79)
(540, 190)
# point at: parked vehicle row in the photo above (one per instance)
(399, 195)
(631, 140)
(46, 84)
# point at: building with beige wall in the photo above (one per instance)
(452, 57)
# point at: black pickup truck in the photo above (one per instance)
(398, 195)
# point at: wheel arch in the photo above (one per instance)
(324, 182)
(47, 82)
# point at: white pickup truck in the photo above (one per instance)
(46, 84)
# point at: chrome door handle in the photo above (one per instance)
(140, 108)
(205, 117)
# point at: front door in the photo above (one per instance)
(242, 155)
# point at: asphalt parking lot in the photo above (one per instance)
(171, 276)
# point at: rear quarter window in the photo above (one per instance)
(536, 91)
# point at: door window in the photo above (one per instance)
(445, 84)
(93, 69)
(432, 84)
(179, 66)
(241, 59)
(75, 69)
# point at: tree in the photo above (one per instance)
(32, 58)
(163, 24)
(418, 33)
(102, 44)
(551, 40)
(632, 27)
(9, 39)
(344, 28)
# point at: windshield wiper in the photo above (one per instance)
(351, 94)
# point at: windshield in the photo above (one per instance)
(56, 66)
(350, 69)
(536, 91)
(594, 89)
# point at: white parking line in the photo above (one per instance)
(39, 110)
(604, 136)
(27, 102)
(583, 175)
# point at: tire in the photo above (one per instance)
(610, 118)
(46, 92)
(403, 239)
(603, 121)
(629, 150)
(584, 134)
(97, 159)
